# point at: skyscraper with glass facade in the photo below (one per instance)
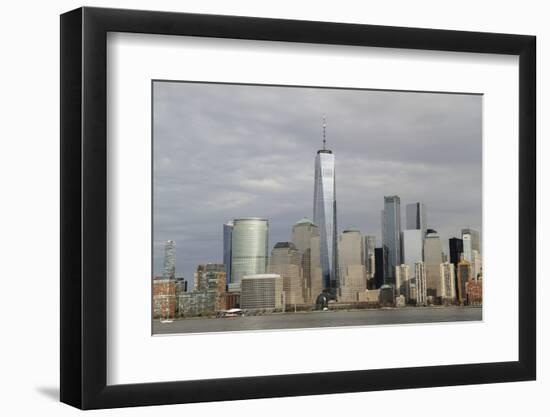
(324, 215)
(227, 236)
(416, 217)
(249, 251)
(305, 236)
(391, 235)
(433, 257)
(421, 289)
(474, 238)
(370, 245)
(169, 269)
(413, 243)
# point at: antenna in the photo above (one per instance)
(324, 132)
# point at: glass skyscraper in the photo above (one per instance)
(391, 234)
(412, 248)
(169, 270)
(416, 217)
(227, 236)
(324, 215)
(249, 240)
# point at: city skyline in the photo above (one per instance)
(281, 190)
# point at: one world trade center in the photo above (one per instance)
(324, 215)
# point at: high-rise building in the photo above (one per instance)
(416, 217)
(432, 260)
(370, 245)
(412, 248)
(420, 281)
(474, 292)
(391, 235)
(447, 275)
(303, 233)
(285, 261)
(169, 269)
(227, 236)
(380, 264)
(324, 214)
(249, 246)
(201, 278)
(455, 249)
(467, 246)
(316, 281)
(350, 247)
(353, 275)
(474, 237)
(463, 275)
(262, 292)
(402, 280)
(476, 264)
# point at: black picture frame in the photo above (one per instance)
(84, 207)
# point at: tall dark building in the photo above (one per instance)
(455, 249)
(379, 265)
(391, 235)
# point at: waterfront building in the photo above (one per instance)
(474, 292)
(370, 246)
(285, 261)
(413, 241)
(169, 269)
(432, 261)
(164, 298)
(402, 280)
(262, 292)
(227, 238)
(208, 296)
(463, 275)
(305, 236)
(353, 274)
(476, 264)
(324, 214)
(391, 235)
(420, 283)
(249, 248)
(386, 296)
(380, 265)
(447, 274)
(416, 217)
(411, 290)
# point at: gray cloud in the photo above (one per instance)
(228, 151)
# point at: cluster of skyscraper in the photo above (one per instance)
(413, 262)
(319, 263)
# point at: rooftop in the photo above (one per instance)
(261, 276)
(288, 245)
(250, 219)
(305, 220)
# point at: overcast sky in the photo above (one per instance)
(228, 151)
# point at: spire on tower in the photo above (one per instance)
(324, 132)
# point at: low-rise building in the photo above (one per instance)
(164, 298)
(262, 292)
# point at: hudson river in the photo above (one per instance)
(302, 320)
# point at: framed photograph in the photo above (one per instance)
(257, 208)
